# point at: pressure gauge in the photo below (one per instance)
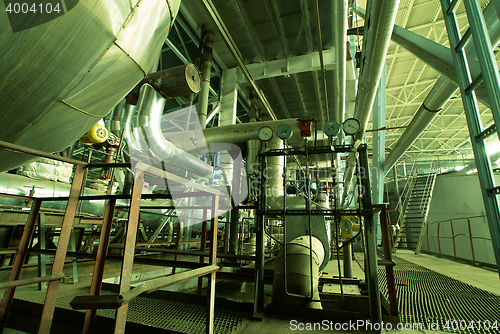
(351, 126)
(265, 133)
(346, 225)
(284, 131)
(331, 128)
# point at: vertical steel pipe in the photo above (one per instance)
(347, 260)
(206, 72)
(340, 12)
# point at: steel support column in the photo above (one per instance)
(213, 261)
(370, 241)
(259, 245)
(379, 149)
(102, 251)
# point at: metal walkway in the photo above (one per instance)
(427, 296)
(175, 316)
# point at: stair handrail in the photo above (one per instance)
(406, 193)
(425, 202)
(427, 188)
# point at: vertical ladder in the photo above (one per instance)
(489, 75)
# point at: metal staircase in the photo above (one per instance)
(468, 82)
(417, 210)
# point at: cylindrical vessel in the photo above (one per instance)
(172, 82)
(61, 76)
(298, 273)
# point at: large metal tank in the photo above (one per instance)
(60, 77)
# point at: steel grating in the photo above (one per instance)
(426, 296)
(176, 316)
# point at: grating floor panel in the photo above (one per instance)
(426, 296)
(177, 316)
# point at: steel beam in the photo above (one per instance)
(231, 44)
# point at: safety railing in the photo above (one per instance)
(456, 224)
(404, 199)
(94, 301)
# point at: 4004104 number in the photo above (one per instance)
(25, 8)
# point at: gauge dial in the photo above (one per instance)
(265, 133)
(284, 131)
(351, 126)
(331, 128)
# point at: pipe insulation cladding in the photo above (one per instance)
(63, 75)
(294, 288)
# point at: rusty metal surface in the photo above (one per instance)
(129, 252)
(95, 302)
(19, 260)
(386, 242)
(100, 260)
(28, 281)
(62, 248)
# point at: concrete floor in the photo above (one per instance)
(482, 278)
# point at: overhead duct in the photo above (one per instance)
(440, 94)
(150, 139)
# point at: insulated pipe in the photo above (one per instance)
(380, 24)
(440, 94)
(231, 134)
(172, 82)
(298, 273)
(152, 141)
(340, 9)
(379, 29)
(253, 148)
(274, 170)
(118, 114)
(205, 80)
